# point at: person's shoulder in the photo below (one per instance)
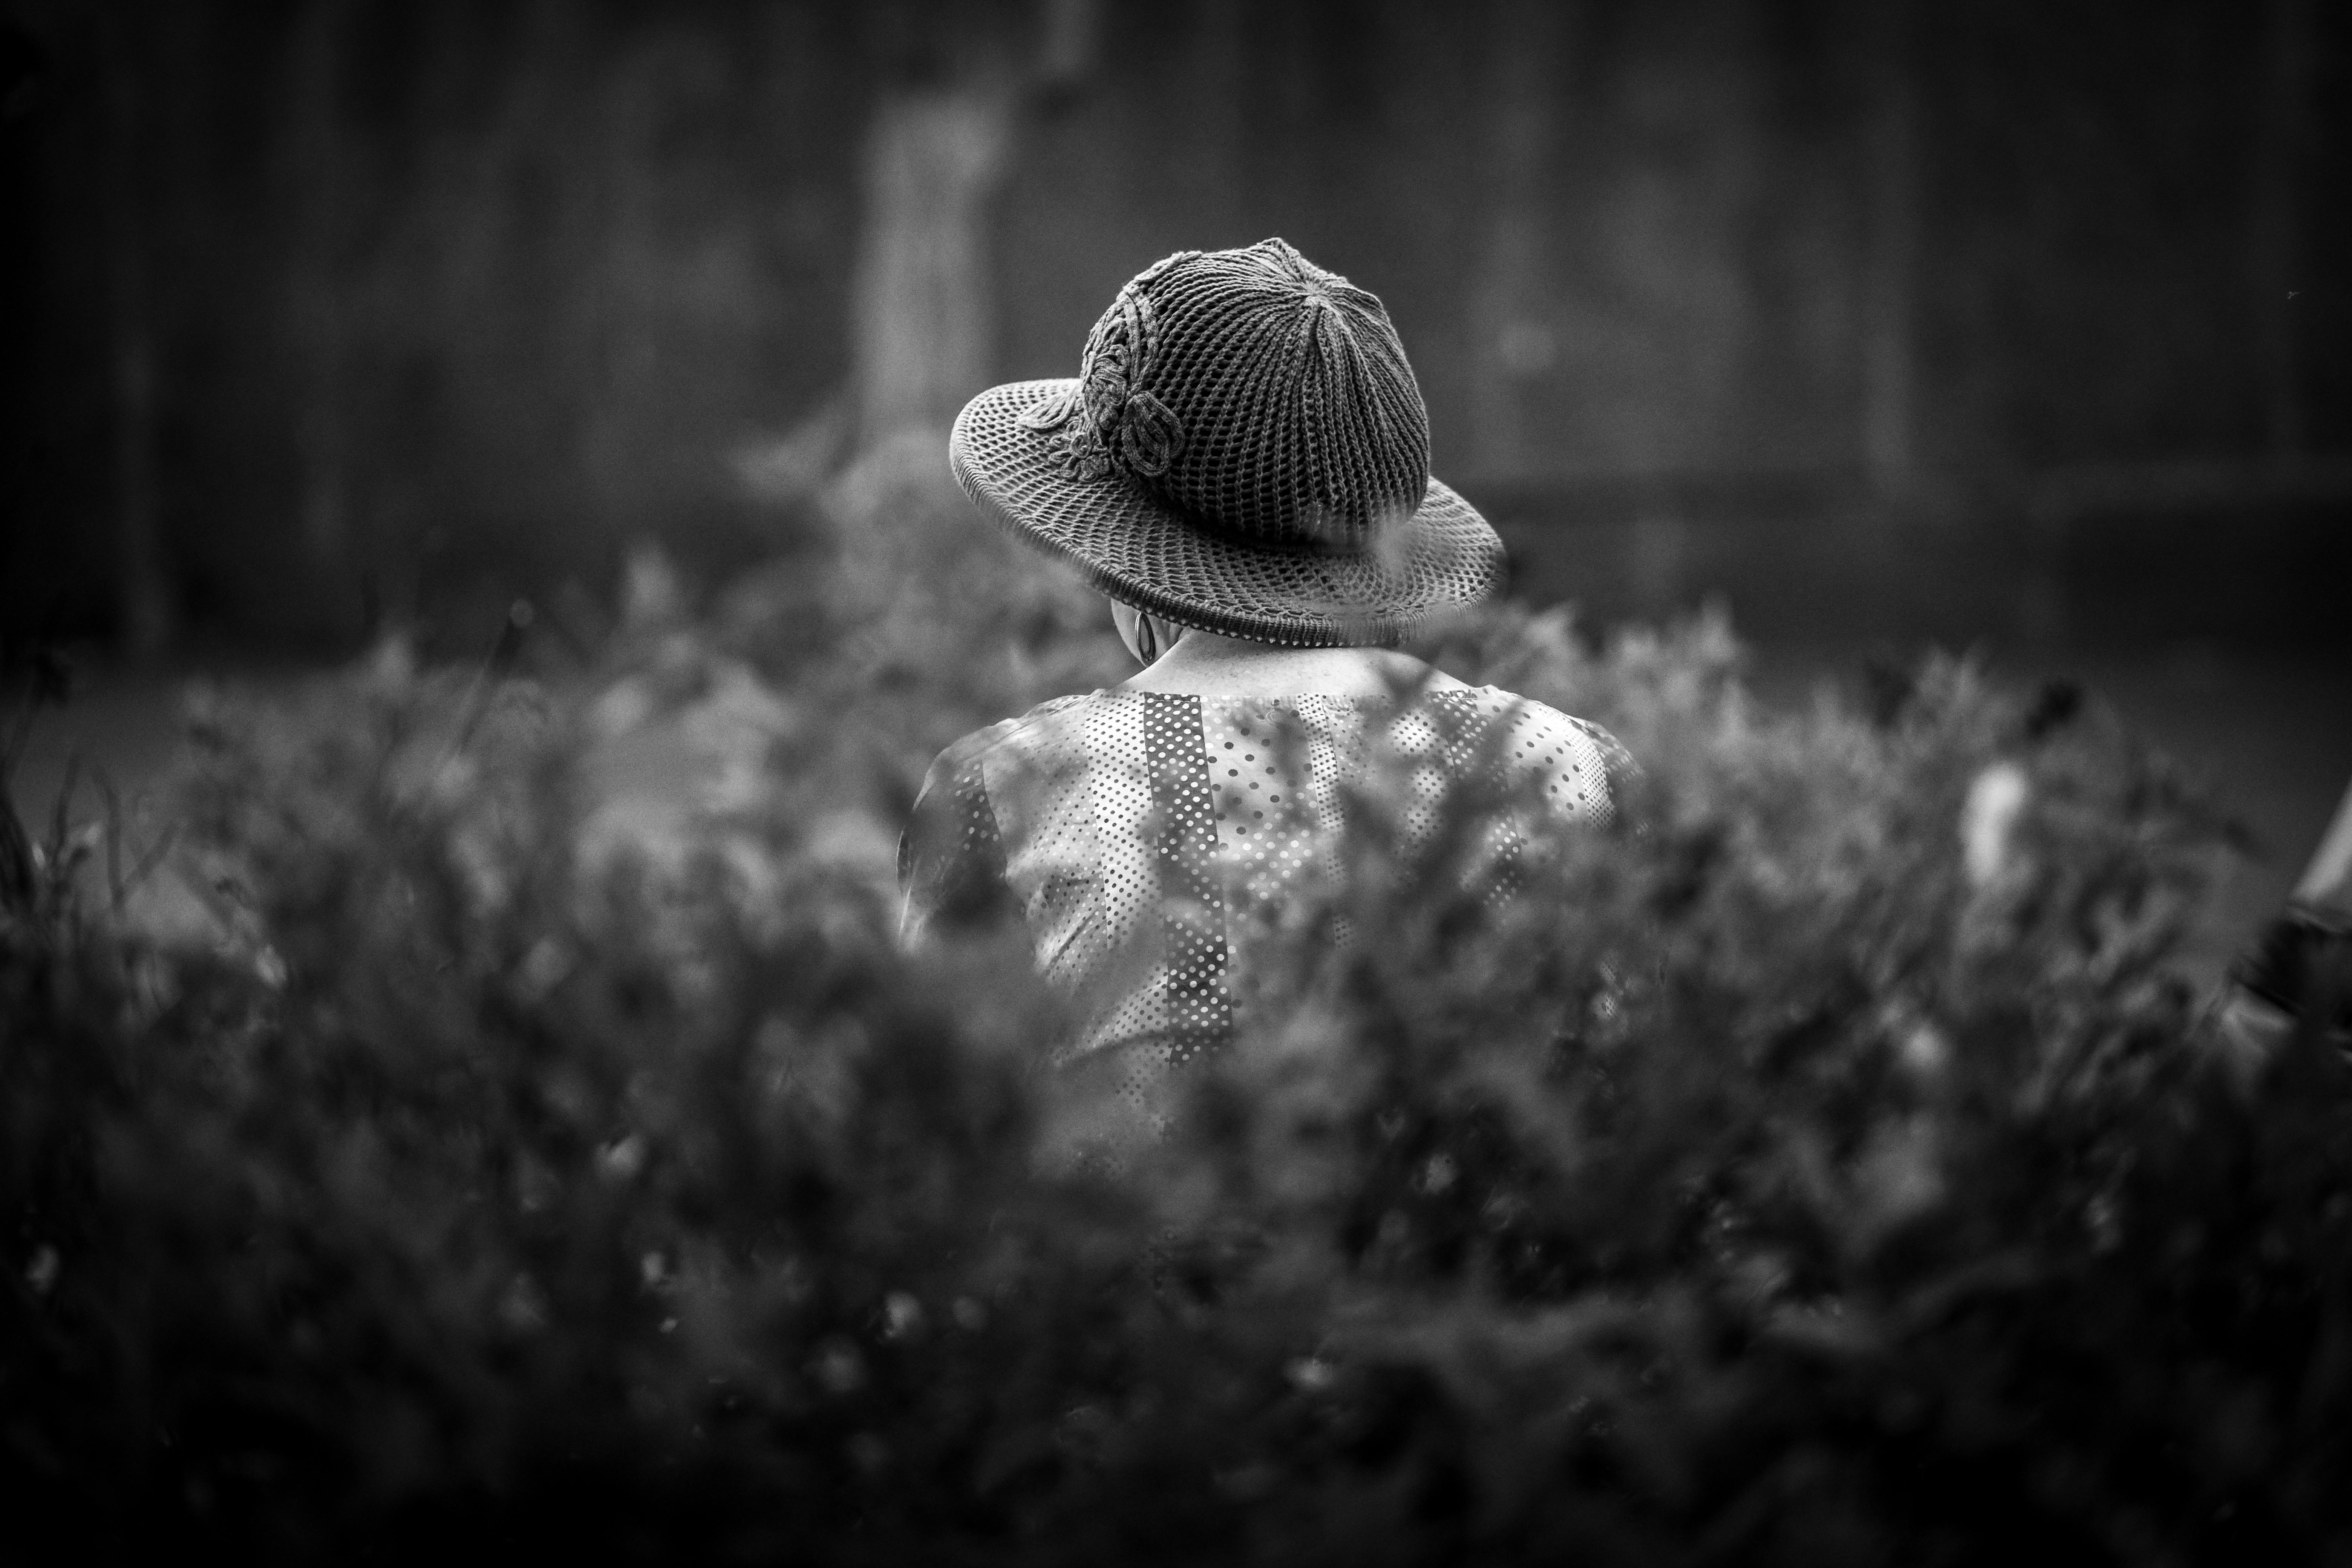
(1525, 712)
(1583, 768)
(967, 754)
(1544, 715)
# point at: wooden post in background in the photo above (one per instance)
(315, 63)
(146, 624)
(923, 311)
(1890, 334)
(922, 301)
(2284, 90)
(1511, 333)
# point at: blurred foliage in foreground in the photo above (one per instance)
(486, 1176)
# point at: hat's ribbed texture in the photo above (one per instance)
(1245, 450)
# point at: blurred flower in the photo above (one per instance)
(523, 1308)
(837, 1367)
(544, 968)
(41, 1273)
(651, 594)
(1899, 1176)
(1311, 1375)
(1923, 1048)
(1987, 819)
(2104, 1219)
(902, 1316)
(391, 663)
(621, 1159)
(622, 707)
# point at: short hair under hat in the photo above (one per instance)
(1245, 449)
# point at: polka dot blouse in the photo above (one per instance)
(1143, 835)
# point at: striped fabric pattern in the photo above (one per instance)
(1144, 836)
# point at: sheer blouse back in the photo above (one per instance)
(1144, 836)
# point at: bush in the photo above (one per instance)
(1832, 1169)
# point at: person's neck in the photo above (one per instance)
(1206, 664)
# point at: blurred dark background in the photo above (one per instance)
(2015, 322)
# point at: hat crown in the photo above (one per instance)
(1266, 399)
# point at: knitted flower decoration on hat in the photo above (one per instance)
(1245, 449)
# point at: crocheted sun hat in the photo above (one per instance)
(1244, 450)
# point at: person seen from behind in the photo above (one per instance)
(1242, 468)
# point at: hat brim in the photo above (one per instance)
(1138, 550)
